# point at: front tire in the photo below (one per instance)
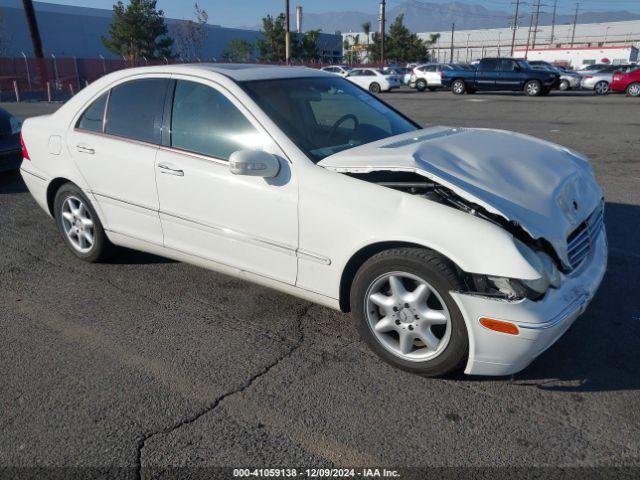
(458, 87)
(79, 225)
(601, 88)
(633, 90)
(406, 314)
(564, 85)
(421, 85)
(375, 88)
(533, 88)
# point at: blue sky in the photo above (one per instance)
(249, 12)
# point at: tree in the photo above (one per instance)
(191, 34)
(352, 46)
(271, 45)
(138, 31)
(306, 46)
(401, 45)
(366, 29)
(239, 50)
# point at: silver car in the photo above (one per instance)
(599, 81)
(568, 79)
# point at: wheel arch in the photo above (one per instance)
(52, 189)
(361, 256)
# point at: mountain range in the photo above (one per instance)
(422, 16)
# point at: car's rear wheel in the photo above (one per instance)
(405, 311)
(601, 88)
(79, 225)
(459, 87)
(421, 85)
(374, 87)
(633, 90)
(533, 88)
(564, 85)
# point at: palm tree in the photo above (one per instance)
(366, 28)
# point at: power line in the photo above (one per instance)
(515, 27)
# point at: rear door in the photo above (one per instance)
(114, 144)
(510, 77)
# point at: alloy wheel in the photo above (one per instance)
(634, 90)
(408, 316)
(77, 224)
(602, 88)
(533, 89)
(458, 87)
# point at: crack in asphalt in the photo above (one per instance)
(141, 444)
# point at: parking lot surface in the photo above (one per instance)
(147, 362)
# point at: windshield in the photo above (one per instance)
(323, 116)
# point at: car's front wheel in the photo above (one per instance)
(601, 88)
(79, 225)
(533, 88)
(406, 314)
(564, 85)
(421, 85)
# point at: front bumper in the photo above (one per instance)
(574, 82)
(540, 323)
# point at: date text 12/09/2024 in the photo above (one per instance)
(316, 472)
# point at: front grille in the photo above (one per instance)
(580, 242)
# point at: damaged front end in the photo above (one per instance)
(538, 252)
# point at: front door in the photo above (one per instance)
(116, 155)
(245, 222)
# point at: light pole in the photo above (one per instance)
(499, 43)
(467, 56)
(606, 35)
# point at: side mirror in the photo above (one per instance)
(254, 163)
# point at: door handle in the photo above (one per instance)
(85, 149)
(164, 168)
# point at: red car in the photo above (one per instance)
(626, 82)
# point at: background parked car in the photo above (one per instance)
(600, 79)
(342, 70)
(403, 73)
(501, 74)
(568, 78)
(373, 80)
(10, 150)
(428, 76)
(628, 83)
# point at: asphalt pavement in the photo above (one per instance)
(144, 362)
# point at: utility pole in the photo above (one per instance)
(526, 52)
(575, 23)
(515, 27)
(287, 38)
(36, 41)
(382, 22)
(553, 21)
(537, 17)
(453, 29)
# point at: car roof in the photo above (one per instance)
(239, 72)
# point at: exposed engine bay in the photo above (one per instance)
(416, 184)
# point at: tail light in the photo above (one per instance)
(25, 152)
(588, 77)
(441, 74)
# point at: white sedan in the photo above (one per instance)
(341, 70)
(374, 80)
(453, 248)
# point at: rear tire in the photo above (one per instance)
(421, 85)
(424, 333)
(458, 87)
(79, 225)
(533, 88)
(375, 88)
(601, 88)
(633, 90)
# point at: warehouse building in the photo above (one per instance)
(70, 31)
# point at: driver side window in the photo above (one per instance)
(205, 121)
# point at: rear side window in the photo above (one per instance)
(93, 116)
(135, 109)
(506, 65)
(204, 121)
(488, 65)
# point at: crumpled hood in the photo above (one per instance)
(547, 189)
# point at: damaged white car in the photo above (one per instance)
(453, 248)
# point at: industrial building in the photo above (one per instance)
(70, 31)
(560, 43)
